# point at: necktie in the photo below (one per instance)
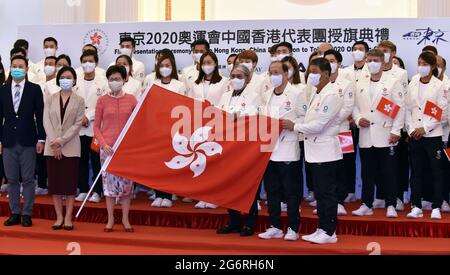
(16, 100)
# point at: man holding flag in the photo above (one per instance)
(379, 113)
(426, 103)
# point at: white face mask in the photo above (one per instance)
(115, 86)
(128, 69)
(126, 51)
(276, 80)
(333, 67)
(273, 59)
(49, 52)
(230, 67)
(314, 79)
(440, 70)
(88, 67)
(58, 68)
(249, 66)
(424, 70)
(358, 55)
(291, 73)
(165, 72)
(208, 69)
(282, 56)
(196, 57)
(387, 57)
(238, 84)
(66, 84)
(374, 67)
(49, 70)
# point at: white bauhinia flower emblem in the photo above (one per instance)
(434, 111)
(388, 108)
(195, 155)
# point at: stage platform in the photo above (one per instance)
(184, 215)
(147, 240)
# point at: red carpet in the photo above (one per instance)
(185, 216)
(40, 239)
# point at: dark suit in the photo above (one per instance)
(19, 133)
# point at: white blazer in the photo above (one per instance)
(346, 90)
(189, 75)
(50, 88)
(287, 147)
(258, 84)
(133, 87)
(99, 88)
(401, 75)
(415, 117)
(98, 72)
(321, 126)
(356, 75)
(446, 116)
(214, 91)
(175, 86)
(247, 103)
(378, 134)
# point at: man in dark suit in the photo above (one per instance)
(22, 135)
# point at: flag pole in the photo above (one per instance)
(116, 145)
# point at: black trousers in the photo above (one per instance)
(163, 195)
(427, 150)
(88, 155)
(350, 163)
(308, 176)
(250, 218)
(279, 178)
(41, 170)
(346, 177)
(379, 165)
(325, 188)
(403, 165)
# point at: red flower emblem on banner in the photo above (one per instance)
(96, 39)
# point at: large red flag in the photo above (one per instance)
(186, 147)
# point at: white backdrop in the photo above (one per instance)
(227, 37)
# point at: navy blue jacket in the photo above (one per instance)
(26, 127)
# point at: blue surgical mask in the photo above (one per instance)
(17, 73)
(66, 84)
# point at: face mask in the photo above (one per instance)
(424, 70)
(238, 84)
(116, 86)
(208, 69)
(314, 79)
(58, 68)
(387, 57)
(291, 73)
(126, 51)
(88, 67)
(49, 52)
(276, 80)
(374, 67)
(249, 66)
(440, 70)
(333, 67)
(273, 59)
(49, 70)
(358, 55)
(396, 65)
(165, 72)
(230, 67)
(196, 57)
(66, 84)
(282, 56)
(17, 73)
